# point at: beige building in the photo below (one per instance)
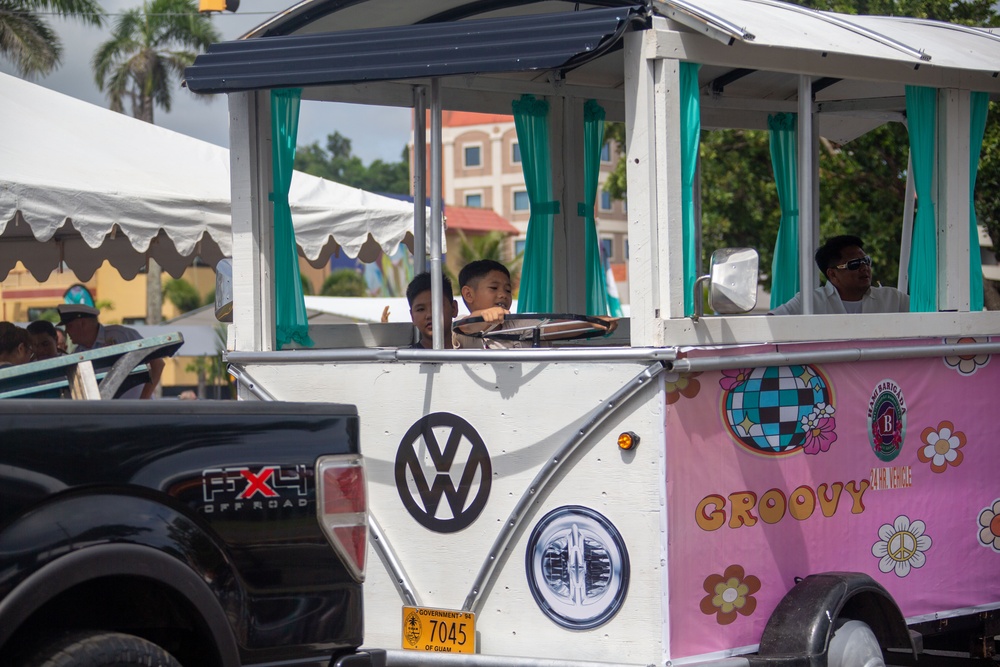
(23, 299)
(482, 169)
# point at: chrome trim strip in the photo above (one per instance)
(382, 547)
(545, 354)
(847, 25)
(699, 364)
(244, 378)
(403, 658)
(539, 484)
(700, 20)
(967, 29)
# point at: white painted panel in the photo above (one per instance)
(524, 413)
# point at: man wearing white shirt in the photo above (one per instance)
(848, 287)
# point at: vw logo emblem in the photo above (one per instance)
(577, 567)
(442, 456)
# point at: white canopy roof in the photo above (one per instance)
(81, 184)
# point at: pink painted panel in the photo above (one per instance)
(890, 468)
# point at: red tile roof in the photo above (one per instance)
(476, 220)
(462, 118)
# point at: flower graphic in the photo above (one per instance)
(681, 384)
(730, 593)
(901, 546)
(942, 447)
(989, 522)
(818, 426)
(966, 364)
(732, 378)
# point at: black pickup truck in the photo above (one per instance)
(195, 533)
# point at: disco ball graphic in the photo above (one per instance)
(764, 412)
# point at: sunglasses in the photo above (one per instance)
(855, 264)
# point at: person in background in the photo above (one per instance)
(487, 292)
(418, 294)
(89, 334)
(44, 339)
(848, 287)
(15, 345)
(62, 342)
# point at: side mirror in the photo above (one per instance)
(732, 282)
(224, 290)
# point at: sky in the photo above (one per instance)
(375, 132)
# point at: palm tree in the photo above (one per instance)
(27, 40)
(149, 48)
(491, 245)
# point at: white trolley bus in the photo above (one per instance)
(717, 489)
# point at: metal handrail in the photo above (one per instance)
(538, 486)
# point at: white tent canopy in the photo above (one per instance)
(80, 184)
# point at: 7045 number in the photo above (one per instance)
(448, 632)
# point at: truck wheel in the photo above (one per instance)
(854, 645)
(100, 649)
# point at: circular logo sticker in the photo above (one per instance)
(577, 567)
(412, 629)
(442, 456)
(887, 420)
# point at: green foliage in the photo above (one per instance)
(149, 48)
(211, 370)
(988, 179)
(617, 182)
(209, 299)
(491, 245)
(307, 286)
(738, 197)
(26, 38)
(344, 282)
(182, 294)
(862, 183)
(337, 163)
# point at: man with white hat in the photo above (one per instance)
(87, 333)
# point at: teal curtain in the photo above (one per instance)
(785, 162)
(593, 142)
(921, 115)
(690, 139)
(980, 103)
(531, 120)
(290, 306)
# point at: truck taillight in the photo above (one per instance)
(342, 508)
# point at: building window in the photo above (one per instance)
(515, 153)
(521, 201)
(606, 152)
(474, 201)
(473, 156)
(519, 247)
(608, 249)
(626, 248)
(605, 200)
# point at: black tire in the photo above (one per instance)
(100, 649)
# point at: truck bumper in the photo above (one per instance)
(370, 657)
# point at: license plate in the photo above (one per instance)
(439, 630)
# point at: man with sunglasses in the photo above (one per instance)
(848, 287)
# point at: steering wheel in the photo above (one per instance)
(537, 327)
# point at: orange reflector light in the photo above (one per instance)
(627, 440)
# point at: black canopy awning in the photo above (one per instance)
(525, 43)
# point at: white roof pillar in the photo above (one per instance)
(253, 220)
(953, 199)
